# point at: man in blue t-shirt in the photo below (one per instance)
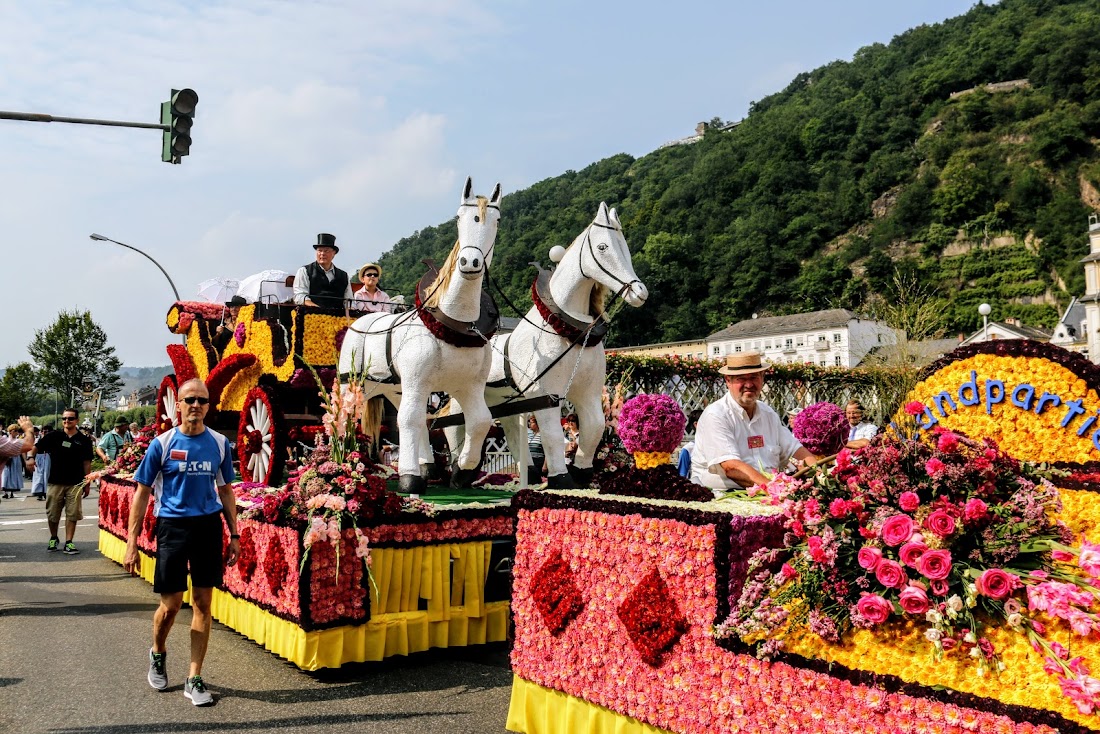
(190, 471)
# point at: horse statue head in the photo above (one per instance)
(594, 266)
(470, 257)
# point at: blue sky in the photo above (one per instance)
(346, 116)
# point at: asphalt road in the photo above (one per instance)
(74, 637)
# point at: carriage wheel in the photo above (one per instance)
(260, 438)
(167, 409)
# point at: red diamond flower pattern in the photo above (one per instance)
(652, 618)
(555, 594)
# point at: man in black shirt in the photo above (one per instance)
(321, 283)
(70, 461)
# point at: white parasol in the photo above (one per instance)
(218, 290)
(268, 286)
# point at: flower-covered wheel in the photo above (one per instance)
(258, 446)
(167, 410)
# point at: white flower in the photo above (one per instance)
(954, 603)
(975, 652)
(934, 616)
(1015, 620)
(972, 639)
(933, 635)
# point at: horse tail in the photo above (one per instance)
(372, 419)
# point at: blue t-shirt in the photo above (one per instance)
(186, 471)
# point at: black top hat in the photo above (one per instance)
(326, 240)
(236, 301)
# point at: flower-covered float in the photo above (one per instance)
(929, 582)
(335, 568)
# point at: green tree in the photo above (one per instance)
(74, 348)
(20, 392)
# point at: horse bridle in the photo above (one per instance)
(580, 261)
(484, 253)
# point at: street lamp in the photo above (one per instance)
(101, 238)
(985, 309)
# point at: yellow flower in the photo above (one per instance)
(651, 459)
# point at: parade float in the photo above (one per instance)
(931, 582)
(335, 566)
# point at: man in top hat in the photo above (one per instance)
(113, 441)
(321, 283)
(739, 439)
(370, 297)
(225, 329)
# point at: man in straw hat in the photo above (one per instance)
(112, 442)
(321, 283)
(370, 297)
(740, 439)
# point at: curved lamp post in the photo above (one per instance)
(101, 238)
(985, 309)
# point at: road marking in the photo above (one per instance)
(42, 519)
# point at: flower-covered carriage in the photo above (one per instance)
(261, 385)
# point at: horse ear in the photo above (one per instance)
(614, 216)
(601, 214)
(495, 198)
(466, 190)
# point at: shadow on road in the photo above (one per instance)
(60, 609)
(264, 725)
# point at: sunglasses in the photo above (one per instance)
(371, 275)
(68, 418)
(193, 400)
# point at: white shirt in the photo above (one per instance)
(865, 430)
(301, 284)
(726, 432)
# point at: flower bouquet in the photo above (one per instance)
(948, 532)
(650, 427)
(821, 428)
(129, 457)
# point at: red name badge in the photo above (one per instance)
(181, 455)
(756, 442)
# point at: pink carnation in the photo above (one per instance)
(914, 407)
(947, 442)
(934, 467)
(975, 510)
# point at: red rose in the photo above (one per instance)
(891, 574)
(935, 565)
(940, 523)
(897, 529)
(874, 608)
(996, 584)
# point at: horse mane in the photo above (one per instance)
(442, 281)
(597, 299)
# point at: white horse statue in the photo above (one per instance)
(557, 349)
(441, 346)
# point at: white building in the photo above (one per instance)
(833, 338)
(1072, 330)
(1092, 290)
(1007, 329)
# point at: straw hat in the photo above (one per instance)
(369, 266)
(743, 363)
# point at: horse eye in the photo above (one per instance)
(601, 247)
(477, 218)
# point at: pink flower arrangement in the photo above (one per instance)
(821, 428)
(950, 532)
(651, 423)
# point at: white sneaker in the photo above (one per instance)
(195, 689)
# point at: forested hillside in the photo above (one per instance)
(855, 170)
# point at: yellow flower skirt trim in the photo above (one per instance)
(651, 459)
(537, 710)
(385, 635)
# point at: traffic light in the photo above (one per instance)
(178, 114)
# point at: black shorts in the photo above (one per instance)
(188, 542)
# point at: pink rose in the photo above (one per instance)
(940, 587)
(868, 557)
(975, 510)
(897, 529)
(996, 584)
(891, 574)
(940, 523)
(908, 501)
(911, 552)
(913, 600)
(935, 565)
(934, 467)
(948, 643)
(874, 608)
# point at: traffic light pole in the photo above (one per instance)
(37, 117)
